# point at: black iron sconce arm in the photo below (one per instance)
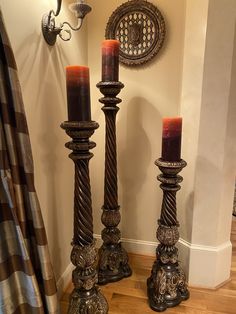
(49, 28)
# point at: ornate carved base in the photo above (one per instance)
(86, 297)
(113, 263)
(166, 286)
(90, 302)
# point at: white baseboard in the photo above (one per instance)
(206, 266)
(134, 246)
(64, 280)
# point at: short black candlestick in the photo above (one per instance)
(113, 259)
(85, 298)
(167, 285)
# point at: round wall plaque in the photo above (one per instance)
(140, 28)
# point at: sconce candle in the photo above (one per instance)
(110, 60)
(78, 93)
(171, 139)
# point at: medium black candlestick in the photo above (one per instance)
(85, 298)
(167, 285)
(113, 259)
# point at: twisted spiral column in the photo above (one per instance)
(110, 181)
(168, 210)
(83, 219)
(167, 284)
(85, 298)
(113, 259)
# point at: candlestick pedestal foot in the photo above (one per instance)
(167, 284)
(86, 297)
(113, 259)
(167, 287)
(113, 264)
(93, 302)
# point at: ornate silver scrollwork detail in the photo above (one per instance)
(96, 304)
(168, 235)
(112, 259)
(111, 217)
(84, 257)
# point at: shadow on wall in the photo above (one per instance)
(134, 158)
(35, 60)
(188, 215)
(231, 127)
(42, 68)
(206, 203)
(51, 141)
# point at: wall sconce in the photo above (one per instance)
(49, 28)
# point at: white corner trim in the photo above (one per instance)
(205, 247)
(134, 246)
(206, 266)
(139, 246)
(64, 280)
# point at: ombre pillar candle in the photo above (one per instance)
(78, 93)
(110, 60)
(171, 139)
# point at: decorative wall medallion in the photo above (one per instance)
(140, 28)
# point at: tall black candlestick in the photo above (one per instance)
(113, 259)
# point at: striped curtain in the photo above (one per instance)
(27, 283)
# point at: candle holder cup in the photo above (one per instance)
(86, 297)
(113, 259)
(167, 285)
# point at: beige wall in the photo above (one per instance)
(41, 73)
(150, 92)
(193, 67)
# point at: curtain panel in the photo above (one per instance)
(27, 283)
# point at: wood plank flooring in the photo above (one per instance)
(128, 296)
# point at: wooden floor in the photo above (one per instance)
(128, 296)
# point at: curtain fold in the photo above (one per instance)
(27, 283)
